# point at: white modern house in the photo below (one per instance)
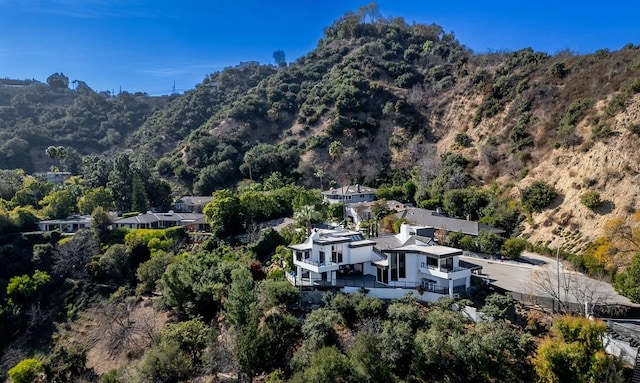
(387, 267)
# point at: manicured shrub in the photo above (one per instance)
(513, 247)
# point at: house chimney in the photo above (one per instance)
(468, 217)
(357, 188)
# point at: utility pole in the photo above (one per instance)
(558, 272)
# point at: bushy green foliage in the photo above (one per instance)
(26, 371)
(574, 353)
(24, 288)
(499, 307)
(150, 273)
(113, 266)
(626, 282)
(277, 292)
(538, 196)
(513, 247)
(196, 283)
(463, 203)
(574, 114)
(463, 140)
(591, 199)
(489, 242)
(224, 213)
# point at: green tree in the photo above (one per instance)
(26, 371)
(58, 204)
(327, 365)
(58, 81)
(574, 353)
(121, 182)
(367, 361)
(538, 196)
(100, 222)
(306, 215)
(513, 247)
(166, 363)
(489, 242)
(626, 281)
(336, 149)
(139, 199)
(149, 273)
(24, 289)
(279, 58)
(11, 180)
(196, 283)
(499, 306)
(93, 198)
(113, 266)
(224, 213)
(240, 299)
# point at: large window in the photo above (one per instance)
(432, 263)
(322, 257)
(447, 263)
(398, 266)
(383, 276)
(336, 253)
(402, 268)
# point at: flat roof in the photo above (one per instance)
(439, 250)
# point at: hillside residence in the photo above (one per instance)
(191, 221)
(191, 204)
(387, 267)
(350, 194)
(57, 177)
(439, 221)
(67, 225)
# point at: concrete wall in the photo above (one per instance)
(386, 293)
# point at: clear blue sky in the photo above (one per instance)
(146, 45)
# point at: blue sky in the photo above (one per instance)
(147, 45)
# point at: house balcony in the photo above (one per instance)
(316, 266)
(444, 272)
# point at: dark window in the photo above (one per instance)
(394, 267)
(322, 257)
(446, 263)
(432, 263)
(402, 269)
(383, 275)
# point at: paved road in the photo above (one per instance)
(537, 275)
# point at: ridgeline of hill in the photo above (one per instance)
(378, 101)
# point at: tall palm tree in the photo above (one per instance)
(307, 214)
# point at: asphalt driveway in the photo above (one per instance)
(538, 275)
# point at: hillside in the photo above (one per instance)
(404, 108)
(395, 96)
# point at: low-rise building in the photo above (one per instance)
(191, 204)
(350, 194)
(191, 221)
(439, 221)
(67, 225)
